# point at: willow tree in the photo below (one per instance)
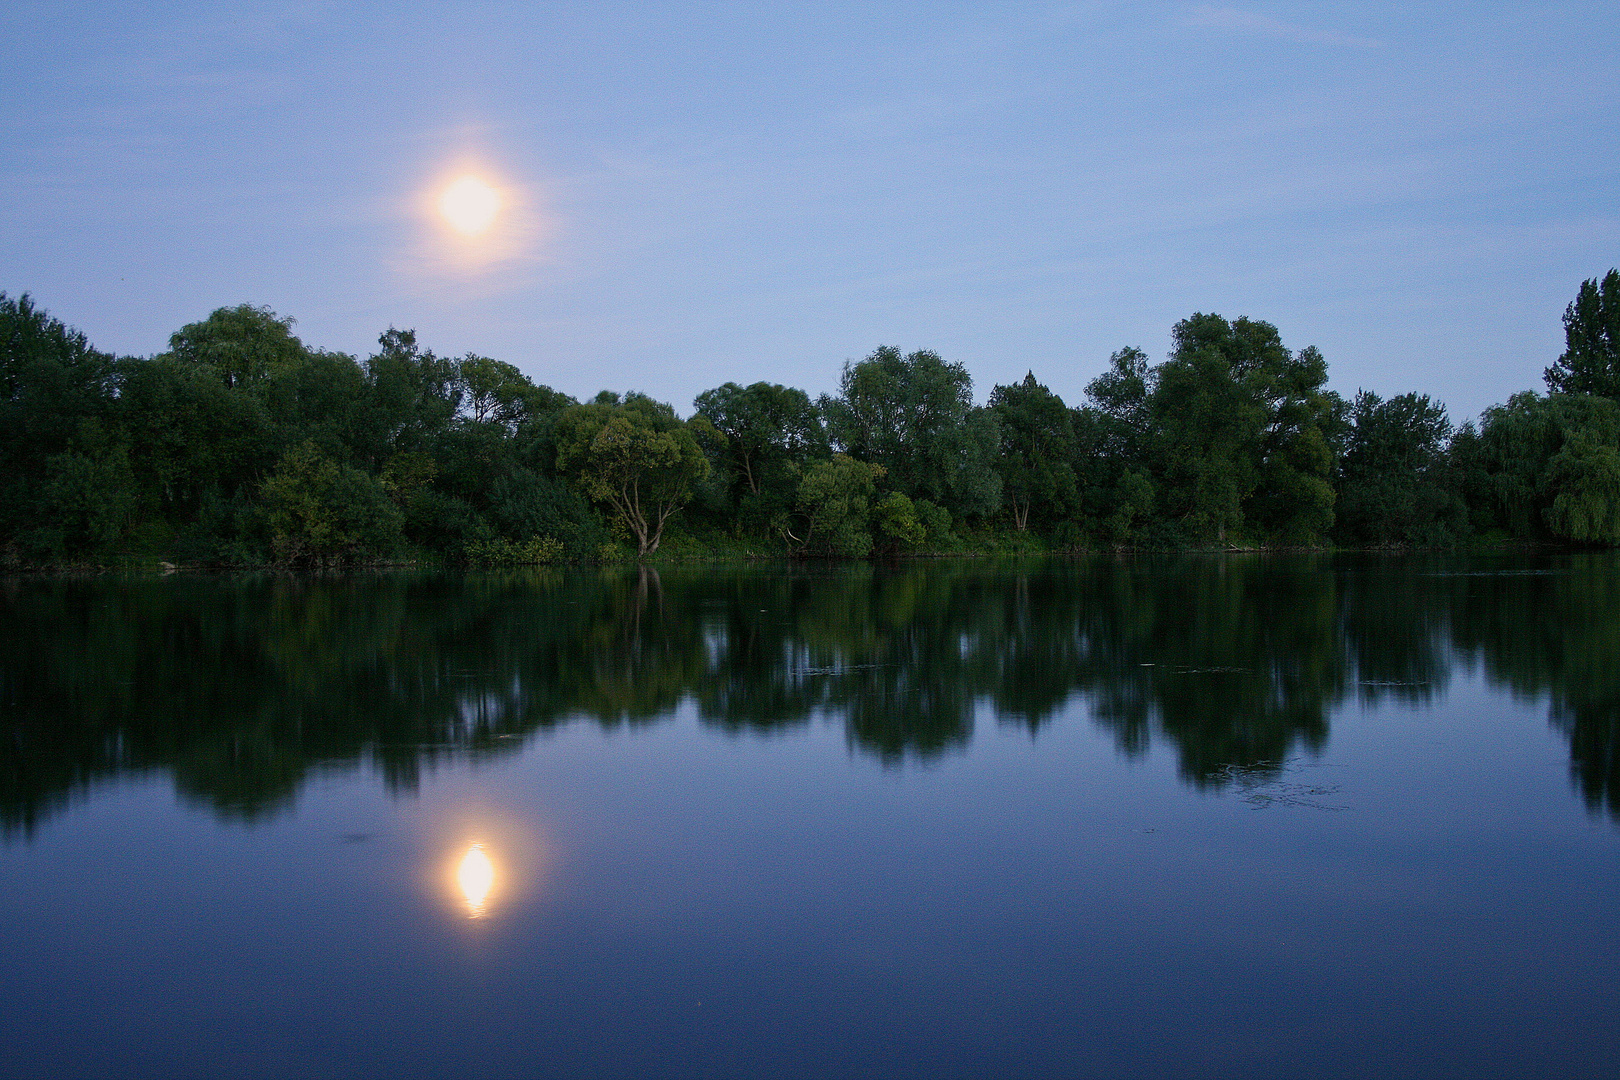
(1548, 465)
(635, 458)
(242, 345)
(1585, 476)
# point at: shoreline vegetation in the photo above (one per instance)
(242, 447)
(695, 555)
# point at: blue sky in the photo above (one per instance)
(736, 192)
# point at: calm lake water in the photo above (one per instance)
(1203, 817)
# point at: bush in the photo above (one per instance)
(502, 552)
(321, 511)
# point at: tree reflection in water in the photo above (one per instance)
(239, 688)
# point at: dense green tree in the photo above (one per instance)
(1393, 478)
(242, 345)
(1232, 437)
(498, 392)
(320, 510)
(635, 458)
(1294, 501)
(1240, 438)
(319, 396)
(896, 525)
(1541, 466)
(832, 509)
(913, 414)
(756, 436)
(1037, 442)
(1119, 398)
(1208, 426)
(1591, 360)
(764, 425)
(57, 397)
(191, 437)
(1112, 434)
(91, 502)
(30, 338)
(523, 504)
(1583, 479)
(1510, 454)
(499, 490)
(414, 395)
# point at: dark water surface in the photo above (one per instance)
(1199, 817)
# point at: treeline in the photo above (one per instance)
(243, 445)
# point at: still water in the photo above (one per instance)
(1243, 816)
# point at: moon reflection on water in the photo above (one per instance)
(475, 875)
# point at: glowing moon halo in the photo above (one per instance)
(469, 205)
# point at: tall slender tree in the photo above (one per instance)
(1591, 360)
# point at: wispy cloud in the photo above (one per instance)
(1227, 18)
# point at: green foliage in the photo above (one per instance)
(91, 500)
(319, 397)
(1132, 507)
(500, 552)
(1119, 400)
(914, 416)
(764, 426)
(832, 509)
(755, 436)
(190, 436)
(1232, 435)
(1037, 442)
(896, 526)
(499, 393)
(1112, 435)
(436, 521)
(407, 474)
(1294, 501)
(1591, 360)
(320, 511)
(1240, 441)
(1584, 481)
(57, 397)
(1395, 483)
(242, 346)
(1208, 438)
(635, 458)
(522, 502)
(32, 343)
(936, 523)
(240, 442)
(1534, 451)
(413, 396)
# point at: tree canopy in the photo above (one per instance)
(1037, 443)
(913, 414)
(635, 458)
(1590, 363)
(241, 444)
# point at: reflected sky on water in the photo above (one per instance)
(1320, 816)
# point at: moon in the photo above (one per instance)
(469, 205)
